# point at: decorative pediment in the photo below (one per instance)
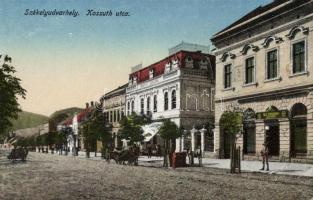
(151, 73)
(168, 67)
(227, 54)
(247, 47)
(188, 62)
(270, 39)
(175, 63)
(297, 29)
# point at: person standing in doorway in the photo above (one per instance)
(264, 154)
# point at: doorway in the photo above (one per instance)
(227, 143)
(272, 137)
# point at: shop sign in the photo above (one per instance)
(272, 114)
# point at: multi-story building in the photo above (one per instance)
(179, 87)
(264, 67)
(114, 109)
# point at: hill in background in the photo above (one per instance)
(69, 112)
(28, 119)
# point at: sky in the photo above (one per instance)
(66, 61)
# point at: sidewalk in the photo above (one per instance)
(296, 169)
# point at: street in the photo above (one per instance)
(47, 176)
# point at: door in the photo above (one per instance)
(227, 143)
(272, 138)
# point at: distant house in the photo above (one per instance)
(114, 110)
(74, 139)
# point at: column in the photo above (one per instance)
(202, 139)
(284, 139)
(182, 143)
(178, 145)
(217, 140)
(309, 131)
(192, 133)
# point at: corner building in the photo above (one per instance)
(264, 66)
(179, 87)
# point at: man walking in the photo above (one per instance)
(264, 154)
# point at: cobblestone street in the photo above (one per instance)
(46, 176)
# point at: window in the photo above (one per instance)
(133, 107)
(155, 104)
(271, 64)
(249, 70)
(111, 116)
(298, 55)
(118, 116)
(128, 108)
(122, 113)
(165, 101)
(227, 76)
(148, 105)
(173, 99)
(142, 108)
(114, 116)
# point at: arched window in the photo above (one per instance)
(148, 105)
(298, 132)
(165, 101)
(111, 116)
(173, 99)
(142, 108)
(249, 138)
(155, 104)
(128, 108)
(132, 106)
(114, 116)
(122, 113)
(118, 116)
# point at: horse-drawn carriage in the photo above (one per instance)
(18, 153)
(129, 156)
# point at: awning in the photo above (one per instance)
(150, 130)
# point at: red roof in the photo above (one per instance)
(80, 117)
(158, 67)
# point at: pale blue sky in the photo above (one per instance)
(66, 61)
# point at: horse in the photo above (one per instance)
(18, 153)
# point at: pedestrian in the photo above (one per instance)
(149, 148)
(264, 154)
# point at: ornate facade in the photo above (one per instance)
(264, 67)
(179, 87)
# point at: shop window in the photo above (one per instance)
(298, 125)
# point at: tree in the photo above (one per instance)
(10, 90)
(231, 123)
(98, 130)
(169, 132)
(131, 128)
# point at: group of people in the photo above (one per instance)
(153, 149)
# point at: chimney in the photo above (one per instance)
(87, 105)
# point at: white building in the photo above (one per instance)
(179, 87)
